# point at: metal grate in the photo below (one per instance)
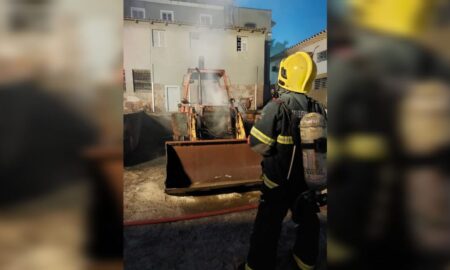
(321, 83)
(241, 44)
(142, 79)
(324, 83)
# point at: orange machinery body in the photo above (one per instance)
(209, 150)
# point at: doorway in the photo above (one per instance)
(173, 98)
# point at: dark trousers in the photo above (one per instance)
(272, 209)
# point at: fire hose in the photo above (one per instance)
(191, 216)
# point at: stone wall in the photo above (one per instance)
(248, 91)
(237, 92)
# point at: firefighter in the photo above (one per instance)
(272, 137)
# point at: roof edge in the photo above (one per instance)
(309, 38)
(285, 52)
(229, 27)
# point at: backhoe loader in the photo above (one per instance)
(209, 150)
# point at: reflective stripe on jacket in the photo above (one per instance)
(271, 137)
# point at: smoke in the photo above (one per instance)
(213, 93)
(208, 44)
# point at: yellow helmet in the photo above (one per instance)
(406, 18)
(297, 72)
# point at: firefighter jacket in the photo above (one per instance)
(272, 137)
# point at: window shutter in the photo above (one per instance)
(238, 44)
(158, 38)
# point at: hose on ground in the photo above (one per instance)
(191, 216)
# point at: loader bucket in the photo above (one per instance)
(210, 164)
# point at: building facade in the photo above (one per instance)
(316, 45)
(162, 39)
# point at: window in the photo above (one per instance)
(205, 19)
(320, 83)
(322, 56)
(142, 79)
(159, 38)
(275, 69)
(241, 45)
(167, 15)
(324, 82)
(138, 13)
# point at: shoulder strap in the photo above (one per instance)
(314, 106)
(288, 112)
